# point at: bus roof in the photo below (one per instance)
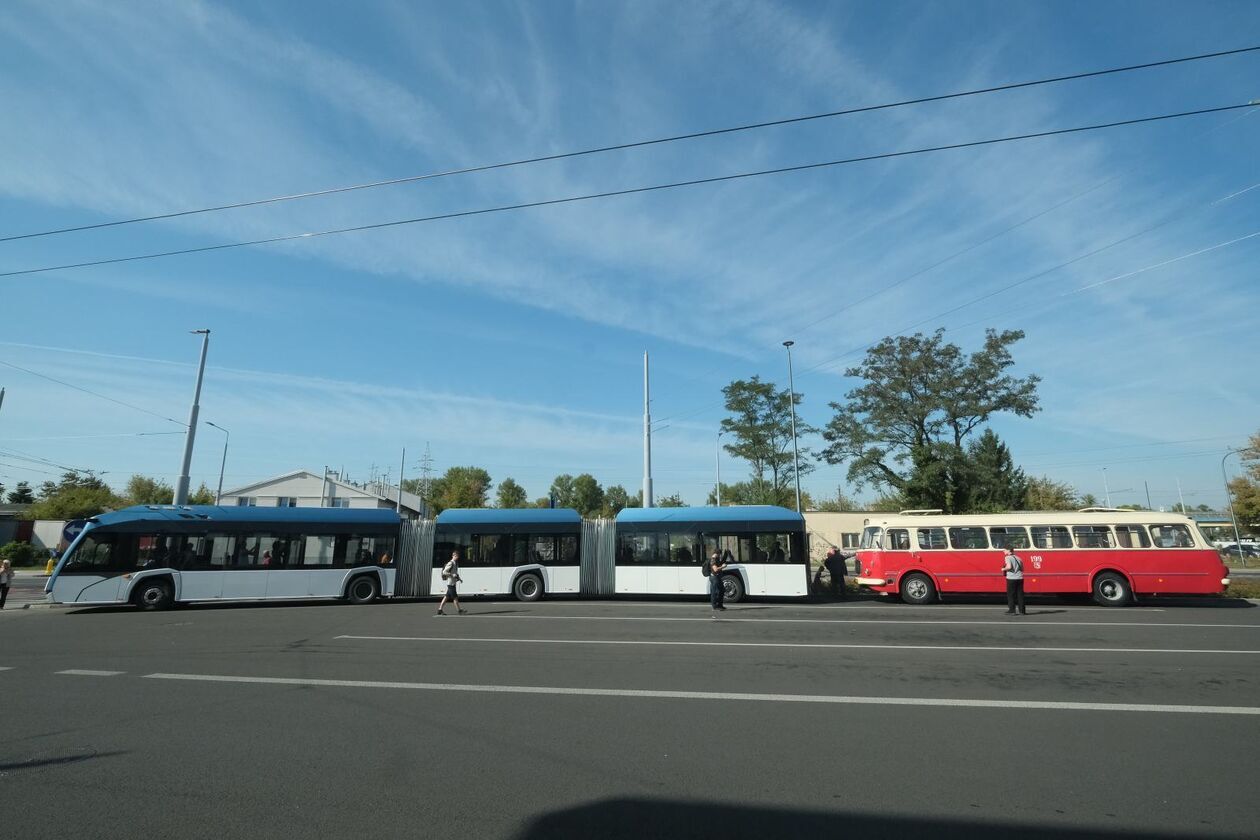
(215, 513)
(1057, 517)
(730, 514)
(509, 516)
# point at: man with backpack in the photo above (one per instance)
(1013, 567)
(713, 571)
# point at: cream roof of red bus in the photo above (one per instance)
(1058, 517)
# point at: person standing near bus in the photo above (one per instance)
(834, 563)
(450, 574)
(6, 580)
(1013, 567)
(716, 593)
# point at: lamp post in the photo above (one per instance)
(181, 485)
(718, 467)
(796, 456)
(1229, 499)
(227, 436)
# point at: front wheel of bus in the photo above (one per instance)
(528, 588)
(918, 589)
(363, 589)
(732, 589)
(1112, 590)
(154, 595)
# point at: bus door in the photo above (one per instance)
(199, 580)
(240, 556)
(287, 577)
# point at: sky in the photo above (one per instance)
(514, 341)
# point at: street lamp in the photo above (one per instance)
(1229, 499)
(718, 466)
(227, 436)
(796, 456)
(181, 485)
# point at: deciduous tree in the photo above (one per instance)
(588, 496)
(510, 494)
(76, 496)
(460, 487)
(760, 432)
(562, 490)
(1047, 494)
(142, 490)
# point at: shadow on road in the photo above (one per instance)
(636, 819)
(40, 763)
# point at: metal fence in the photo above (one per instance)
(414, 559)
(599, 545)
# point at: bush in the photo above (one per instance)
(21, 554)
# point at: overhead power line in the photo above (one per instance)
(92, 393)
(635, 144)
(631, 191)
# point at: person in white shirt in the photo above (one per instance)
(450, 574)
(1013, 567)
(6, 578)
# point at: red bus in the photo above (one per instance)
(1115, 555)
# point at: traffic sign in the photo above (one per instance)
(72, 529)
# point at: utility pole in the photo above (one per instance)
(1148, 494)
(323, 489)
(1181, 498)
(796, 457)
(227, 436)
(719, 468)
(402, 468)
(181, 486)
(426, 479)
(1106, 489)
(647, 437)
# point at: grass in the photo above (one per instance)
(1243, 588)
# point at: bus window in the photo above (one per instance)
(219, 550)
(542, 549)
(153, 552)
(641, 548)
(496, 550)
(1132, 536)
(1172, 536)
(968, 538)
(681, 549)
(1051, 536)
(872, 537)
(898, 539)
(283, 551)
(1009, 537)
(774, 548)
(1093, 536)
(320, 551)
(568, 550)
(96, 554)
(932, 538)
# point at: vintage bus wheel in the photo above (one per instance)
(917, 589)
(1112, 590)
(154, 595)
(363, 589)
(732, 589)
(528, 588)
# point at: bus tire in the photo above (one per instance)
(1112, 590)
(363, 589)
(528, 587)
(918, 589)
(154, 594)
(732, 588)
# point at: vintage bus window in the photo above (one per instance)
(872, 537)
(681, 549)
(932, 538)
(1051, 536)
(1172, 536)
(1132, 536)
(898, 539)
(1009, 537)
(1093, 536)
(968, 538)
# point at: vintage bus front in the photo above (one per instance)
(872, 561)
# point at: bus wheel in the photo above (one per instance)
(917, 589)
(1112, 590)
(732, 588)
(528, 588)
(363, 589)
(154, 594)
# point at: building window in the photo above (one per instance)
(849, 540)
(286, 501)
(338, 503)
(246, 501)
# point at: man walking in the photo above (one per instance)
(1013, 567)
(716, 594)
(835, 565)
(450, 574)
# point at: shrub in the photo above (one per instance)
(21, 554)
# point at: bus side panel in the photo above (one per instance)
(561, 579)
(786, 579)
(86, 589)
(1174, 571)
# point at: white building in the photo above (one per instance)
(303, 488)
(842, 530)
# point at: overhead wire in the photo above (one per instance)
(631, 191)
(91, 392)
(638, 143)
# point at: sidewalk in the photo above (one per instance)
(27, 588)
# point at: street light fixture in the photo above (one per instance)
(227, 436)
(796, 456)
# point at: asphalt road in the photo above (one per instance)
(643, 720)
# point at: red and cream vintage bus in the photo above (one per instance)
(1115, 555)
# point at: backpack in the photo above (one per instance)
(707, 568)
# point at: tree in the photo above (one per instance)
(588, 496)
(760, 430)
(1046, 494)
(1088, 500)
(840, 503)
(76, 496)
(203, 495)
(905, 428)
(562, 490)
(142, 490)
(21, 494)
(994, 482)
(617, 499)
(510, 495)
(1245, 494)
(671, 501)
(460, 487)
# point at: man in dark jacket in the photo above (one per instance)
(835, 564)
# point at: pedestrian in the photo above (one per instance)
(1014, 569)
(6, 578)
(450, 574)
(835, 563)
(716, 593)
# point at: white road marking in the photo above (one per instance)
(6, 667)
(75, 672)
(818, 645)
(1005, 622)
(722, 695)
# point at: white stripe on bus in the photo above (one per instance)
(1009, 622)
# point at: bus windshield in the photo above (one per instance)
(872, 537)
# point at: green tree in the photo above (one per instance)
(617, 499)
(21, 494)
(905, 428)
(1047, 494)
(671, 501)
(1088, 500)
(510, 495)
(203, 495)
(460, 487)
(142, 490)
(562, 490)
(888, 503)
(841, 502)
(993, 483)
(588, 496)
(76, 496)
(544, 502)
(760, 432)
(1245, 494)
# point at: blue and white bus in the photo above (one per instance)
(527, 552)
(155, 556)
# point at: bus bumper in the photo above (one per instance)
(871, 581)
(1224, 581)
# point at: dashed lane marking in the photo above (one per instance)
(77, 672)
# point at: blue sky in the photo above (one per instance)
(514, 341)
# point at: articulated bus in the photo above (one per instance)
(156, 556)
(1113, 555)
